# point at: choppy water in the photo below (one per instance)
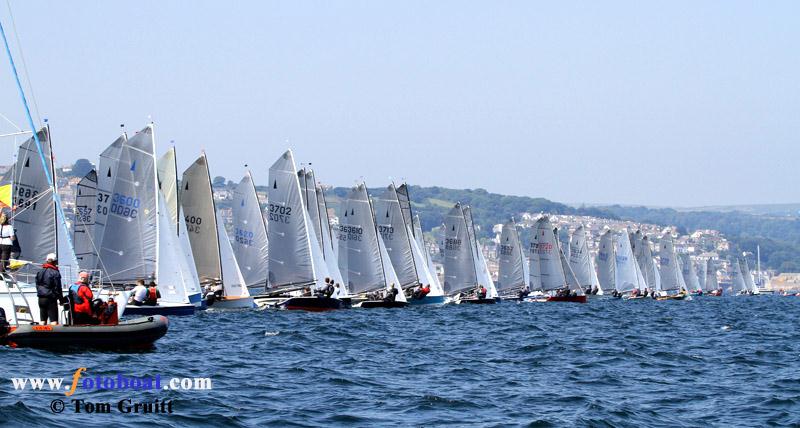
(711, 361)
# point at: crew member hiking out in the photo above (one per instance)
(48, 290)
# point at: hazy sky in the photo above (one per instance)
(658, 103)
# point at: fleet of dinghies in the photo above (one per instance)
(137, 219)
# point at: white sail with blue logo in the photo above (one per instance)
(605, 261)
(250, 244)
(627, 276)
(129, 246)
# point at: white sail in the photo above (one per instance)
(737, 285)
(711, 276)
(703, 274)
(168, 184)
(426, 275)
(83, 229)
(550, 270)
(389, 274)
(689, 274)
(290, 262)
(580, 259)
(671, 277)
(173, 274)
(250, 245)
(329, 248)
(359, 252)
(233, 282)
(605, 260)
(627, 276)
(481, 267)
(435, 284)
(511, 270)
(459, 263)
(129, 253)
(748, 277)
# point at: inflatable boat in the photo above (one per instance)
(140, 333)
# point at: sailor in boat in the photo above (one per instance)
(391, 294)
(328, 290)
(421, 292)
(152, 294)
(480, 292)
(81, 297)
(48, 290)
(138, 294)
(213, 292)
(523, 293)
(6, 242)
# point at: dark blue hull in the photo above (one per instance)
(427, 300)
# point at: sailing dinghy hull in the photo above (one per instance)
(574, 299)
(140, 333)
(166, 309)
(313, 304)
(476, 301)
(233, 303)
(427, 300)
(369, 304)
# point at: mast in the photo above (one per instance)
(758, 262)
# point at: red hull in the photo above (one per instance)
(575, 299)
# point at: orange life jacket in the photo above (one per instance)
(152, 294)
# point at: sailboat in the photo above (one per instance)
(436, 284)
(217, 268)
(250, 245)
(750, 285)
(690, 275)
(296, 264)
(137, 240)
(581, 263)
(481, 266)
(513, 275)
(738, 286)
(628, 279)
(317, 209)
(462, 265)
(711, 286)
(549, 268)
(672, 283)
(395, 225)
(647, 264)
(363, 256)
(605, 261)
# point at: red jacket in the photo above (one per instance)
(85, 293)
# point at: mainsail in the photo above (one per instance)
(433, 278)
(396, 236)
(168, 184)
(689, 274)
(106, 176)
(580, 259)
(83, 236)
(290, 258)
(197, 201)
(551, 260)
(627, 276)
(250, 245)
(129, 253)
(738, 285)
(359, 249)
(748, 277)
(711, 283)
(605, 261)
(511, 271)
(481, 266)
(702, 275)
(459, 263)
(35, 218)
(671, 276)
